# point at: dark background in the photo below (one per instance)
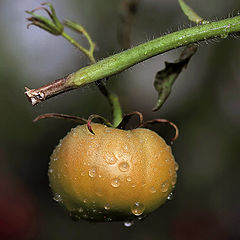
(204, 104)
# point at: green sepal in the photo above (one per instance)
(52, 26)
(53, 16)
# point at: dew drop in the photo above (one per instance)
(110, 159)
(50, 170)
(115, 182)
(92, 172)
(57, 197)
(128, 135)
(129, 179)
(174, 181)
(85, 201)
(74, 134)
(123, 166)
(176, 166)
(82, 174)
(153, 190)
(224, 35)
(99, 194)
(128, 223)
(170, 196)
(126, 148)
(164, 187)
(226, 32)
(108, 130)
(107, 206)
(137, 208)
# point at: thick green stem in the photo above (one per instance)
(121, 61)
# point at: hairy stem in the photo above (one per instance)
(121, 61)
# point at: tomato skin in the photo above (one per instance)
(112, 175)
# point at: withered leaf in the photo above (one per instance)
(165, 78)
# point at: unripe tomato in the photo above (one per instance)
(112, 175)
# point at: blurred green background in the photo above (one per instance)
(204, 104)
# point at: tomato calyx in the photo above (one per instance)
(122, 124)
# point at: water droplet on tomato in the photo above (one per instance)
(107, 206)
(164, 187)
(110, 158)
(57, 197)
(137, 208)
(74, 134)
(174, 180)
(108, 129)
(123, 166)
(176, 166)
(153, 190)
(99, 194)
(129, 179)
(115, 182)
(92, 172)
(126, 149)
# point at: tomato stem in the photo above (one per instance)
(124, 60)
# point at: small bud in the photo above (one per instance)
(52, 25)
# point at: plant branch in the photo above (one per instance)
(121, 61)
(111, 97)
(77, 45)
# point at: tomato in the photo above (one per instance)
(112, 175)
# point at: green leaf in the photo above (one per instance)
(165, 78)
(192, 16)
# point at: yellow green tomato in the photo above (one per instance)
(114, 175)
